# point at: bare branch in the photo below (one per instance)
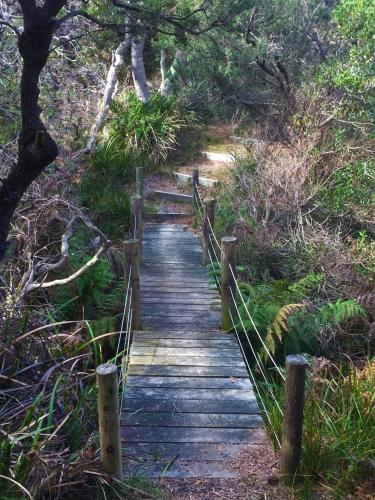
(13, 28)
(73, 276)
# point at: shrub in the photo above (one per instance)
(102, 189)
(352, 186)
(144, 131)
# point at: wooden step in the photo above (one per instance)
(176, 197)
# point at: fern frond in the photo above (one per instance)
(341, 310)
(280, 323)
(303, 286)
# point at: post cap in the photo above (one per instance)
(228, 239)
(106, 369)
(131, 241)
(296, 359)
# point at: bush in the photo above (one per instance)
(353, 186)
(144, 131)
(102, 189)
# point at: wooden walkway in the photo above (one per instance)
(189, 408)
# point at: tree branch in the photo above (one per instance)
(73, 276)
(13, 28)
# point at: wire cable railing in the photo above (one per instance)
(238, 319)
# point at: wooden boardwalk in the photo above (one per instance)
(189, 408)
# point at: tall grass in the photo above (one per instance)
(339, 422)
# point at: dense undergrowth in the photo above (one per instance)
(295, 84)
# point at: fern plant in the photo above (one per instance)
(286, 317)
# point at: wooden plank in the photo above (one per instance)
(223, 343)
(133, 434)
(211, 420)
(167, 216)
(208, 317)
(185, 178)
(221, 157)
(187, 325)
(183, 322)
(186, 352)
(181, 334)
(214, 301)
(190, 405)
(187, 451)
(179, 394)
(180, 469)
(179, 292)
(188, 371)
(178, 197)
(185, 361)
(189, 382)
(179, 309)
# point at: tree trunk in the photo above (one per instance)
(36, 148)
(109, 91)
(165, 82)
(138, 68)
(173, 74)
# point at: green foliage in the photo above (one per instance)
(352, 70)
(93, 295)
(102, 188)
(352, 186)
(288, 322)
(144, 131)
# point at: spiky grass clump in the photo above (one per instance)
(339, 418)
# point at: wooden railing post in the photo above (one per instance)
(208, 223)
(293, 417)
(136, 217)
(131, 268)
(195, 183)
(228, 264)
(139, 180)
(109, 419)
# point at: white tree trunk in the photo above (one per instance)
(165, 81)
(168, 76)
(109, 90)
(138, 68)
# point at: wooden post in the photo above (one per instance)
(228, 261)
(131, 261)
(208, 218)
(136, 218)
(293, 417)
(139, 180)
(109, 419)
(195, 183)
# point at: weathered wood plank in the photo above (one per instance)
(180, 469)
(211, 420)
(179, 394)
(190, 405)
(213, 352)
(178, 197)
(223, 343)
(188, 371)
(187, 325)
(185, 361)
(191, 435)
(214, 301)
(182, 334)
(189, 382)
(186, 451)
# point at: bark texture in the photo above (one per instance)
(138, 68)
(36, 148)
(118, 57)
